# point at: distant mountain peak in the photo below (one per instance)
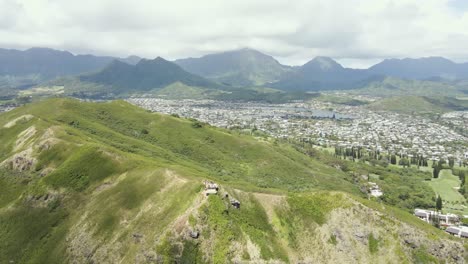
(41, 50)
(116, 63)
(158, 61)
(132, 59)
(144, 76)
(241, 67)
(250, 50)
(323, 63)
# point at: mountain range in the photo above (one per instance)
(241, 68)
(45, 64)
(429, 68)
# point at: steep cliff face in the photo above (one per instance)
(106, 183)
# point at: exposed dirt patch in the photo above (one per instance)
(253, 250)
(21, 161)
(270, 202)
(174, 175)
(13, 122)
(24, 137)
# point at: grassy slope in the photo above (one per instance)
(342, 100)
(399, 87)
(179, 90)
(409, 104)
(445, 184)
(125, 186)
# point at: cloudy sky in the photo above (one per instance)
(357, 33)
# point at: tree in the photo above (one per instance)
(462, 182)
(439, 203)
(451, 162)
(436, 172)
(393, 159)
(404, 162)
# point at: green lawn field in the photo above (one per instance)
(446, 186)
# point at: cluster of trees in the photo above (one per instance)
(353, 152)
(440, 165)
(407, 161)
(461, 174)
(375, 156)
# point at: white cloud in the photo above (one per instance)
(356, 32)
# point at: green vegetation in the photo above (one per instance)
(179, 90)
(74, 175)
(391, 86)
(13, 185)
(421, 256)
(314, 207)
(333, 240)
(420, 104)
(373, 243)
(16, 83)
(446, 185)
(110, 182)
(274, 97)
(341, 99)
(226, 223)
(402, 187)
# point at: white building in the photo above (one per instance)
(375, 190)
(444, 219)
(459, 231)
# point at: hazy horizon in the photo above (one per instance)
(356, 33)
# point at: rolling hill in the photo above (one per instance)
(420, 104)
(120, 78)
(113, 183)
(391, 86)
(245, 67)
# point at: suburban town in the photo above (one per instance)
(330, 125)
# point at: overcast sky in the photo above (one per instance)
(357, 33)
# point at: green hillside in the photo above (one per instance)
(122, 79)
(421, 104)
(113, 183)
(391, 86)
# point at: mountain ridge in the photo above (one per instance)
(49, 63)
(141, 195)
(121, 78)
(241, 67)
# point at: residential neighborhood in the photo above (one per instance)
(330, 125)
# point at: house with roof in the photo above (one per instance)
(444, 219)
(458, 231)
